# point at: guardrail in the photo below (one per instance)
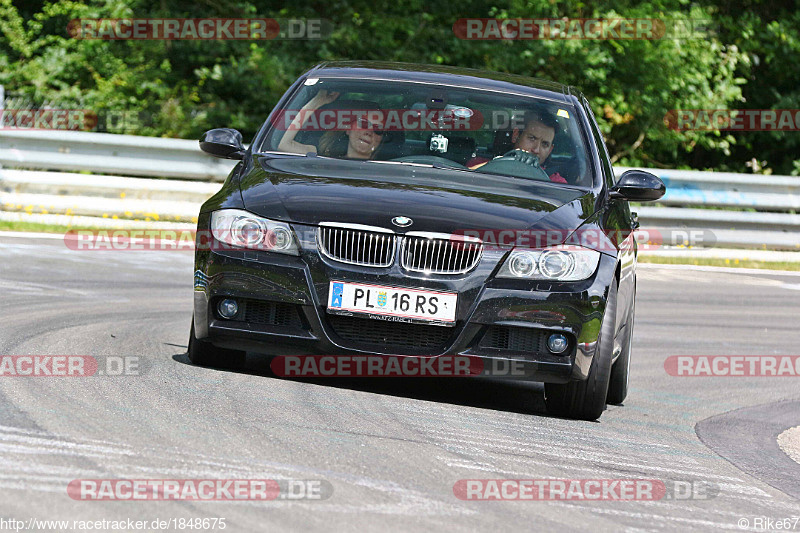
(725, 189)
(106, 153)
(773, 225)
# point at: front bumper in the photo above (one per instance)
(500, 321)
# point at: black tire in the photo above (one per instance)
(620, 372)
(203, 353)
(586, 400)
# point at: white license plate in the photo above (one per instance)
(388, 302)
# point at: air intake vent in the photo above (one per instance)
(434, 253)
(397, 336)
(272, 313)
(429, 253)
(357, 245)
(515, 339)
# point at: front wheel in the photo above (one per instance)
(620, 372)
(586, 400)
(203, 353)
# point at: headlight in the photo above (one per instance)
(556, 264)
(246, 230)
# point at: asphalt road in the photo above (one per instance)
(391, 449)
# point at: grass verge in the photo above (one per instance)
(720, 262)
(38, 227)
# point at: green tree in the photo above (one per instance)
(181, 88)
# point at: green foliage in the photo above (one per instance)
(181, 88)
(768, 33)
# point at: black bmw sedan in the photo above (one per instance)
(388, 210)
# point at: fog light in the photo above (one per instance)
(557, 343)
(227, 308)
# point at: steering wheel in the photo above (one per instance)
(517, 163)
(429, 160)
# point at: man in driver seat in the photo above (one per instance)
(536, 137)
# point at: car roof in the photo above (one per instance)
(445, 76)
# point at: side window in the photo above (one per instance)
(605, 160)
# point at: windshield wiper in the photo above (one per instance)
(438, 166)
(277, 152)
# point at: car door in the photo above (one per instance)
(619, 223)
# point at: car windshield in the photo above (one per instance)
(465, 129)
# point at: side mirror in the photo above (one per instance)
(638, 186)
(223, 142)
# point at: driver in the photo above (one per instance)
(536, 137)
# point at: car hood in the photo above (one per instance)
(310, 190)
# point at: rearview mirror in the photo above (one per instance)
(638, 186)
(223, 142)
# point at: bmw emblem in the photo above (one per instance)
(403, 222)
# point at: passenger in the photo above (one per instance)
(361, 141)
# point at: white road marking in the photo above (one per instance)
(522, 425)
(789, 441)
(654, 518)
(119, 460)
(39, 288)
(580, 455)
